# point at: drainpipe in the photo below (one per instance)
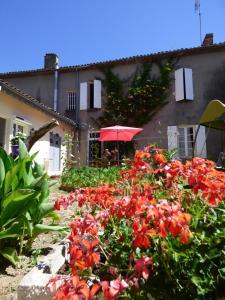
(77, 87)
(56, 75)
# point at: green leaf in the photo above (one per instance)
(38, 169)
(54, 216)
(222, 272)
(45, 209)
(10, 180)
(41, 228)
(16, 203)
(7, 159)
(22, 150)
(26, 171)
(10, 254)
(2, 172)
(14, 230)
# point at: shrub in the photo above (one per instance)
(24, 203)
(88, 177)
(158, 231)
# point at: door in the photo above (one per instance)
(2, 132)
(54, 152)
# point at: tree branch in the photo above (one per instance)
(39, 133)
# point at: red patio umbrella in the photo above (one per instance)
(118, 133)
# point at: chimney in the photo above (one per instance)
(208, 40)
(51, 61)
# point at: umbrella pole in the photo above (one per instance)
(195, 140)
(118, 153)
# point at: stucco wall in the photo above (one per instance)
(38, 86)
(10, 107)
(207, 69)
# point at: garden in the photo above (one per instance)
(158, 231)
(153, 229)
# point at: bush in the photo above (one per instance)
(24, 203)
(88, 177)
(158, 231)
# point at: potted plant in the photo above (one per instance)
(15, 143)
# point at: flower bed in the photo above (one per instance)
(158, 231)
(87, 177)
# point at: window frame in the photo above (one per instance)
(186, 140)
(71, 100)
(184, 89)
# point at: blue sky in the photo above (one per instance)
(85, 31)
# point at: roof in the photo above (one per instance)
(11, 89)
(126, 60)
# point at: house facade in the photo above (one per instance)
(22, 113)
(78, 93)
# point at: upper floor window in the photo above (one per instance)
(71, 100)
(90, 95)
(184, 84)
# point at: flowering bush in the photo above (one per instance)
(159, 231)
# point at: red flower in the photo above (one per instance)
(141, 267)
(113, 288)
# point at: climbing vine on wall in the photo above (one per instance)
(134, 103)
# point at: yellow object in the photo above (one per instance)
(214, 115)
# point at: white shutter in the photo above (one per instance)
(179, 84)
(172, 134)
(97, 94)
(188, 84)
(200, 148)
(83, 95)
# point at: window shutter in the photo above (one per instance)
(172, 134)
(179, 84)
(200, 148)
(188, 84)
(83, 96)
(97, 94)
(184, 84)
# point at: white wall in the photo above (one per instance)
(11, 107)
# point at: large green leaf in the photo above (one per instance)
(10, 254)
(7, 159)
(44, 210)
(22, 150)
(11, 177)
(13, 231)
(44, 191)
(41, 228)
(2, 172)
(16, 203)
(38, 182)
(38, 169)
(26, 172)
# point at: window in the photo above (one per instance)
(185, 141)
(17, 128)
(184, 84)
(71, 100)
(90, 95)
(182, 138)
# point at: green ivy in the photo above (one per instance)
(135, 104)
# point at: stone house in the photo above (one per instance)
(77, 92)
(20, 112)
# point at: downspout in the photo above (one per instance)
(56, 76)
(77, 87)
